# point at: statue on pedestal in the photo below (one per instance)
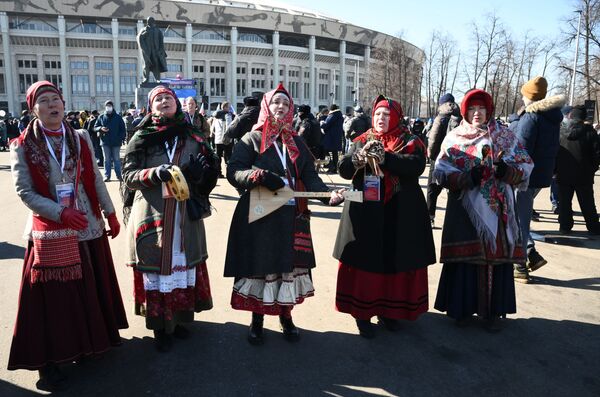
(151, 41)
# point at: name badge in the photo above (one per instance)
(65, 195)
(372, 187)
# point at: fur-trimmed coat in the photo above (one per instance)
(448, 117)
(538, 130)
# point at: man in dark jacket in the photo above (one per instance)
(89, 126)
(308, 128)
(333, 128)
(112, 132)
(447, 118)
(245, 120)
(538, 130)
(357, 125)
(577, 162)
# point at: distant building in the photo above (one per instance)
(233, 48)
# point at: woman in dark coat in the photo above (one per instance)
(384, 244)
(271, 258)
(480, 163)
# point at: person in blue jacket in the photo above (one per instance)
(111, 129)
(537, 128)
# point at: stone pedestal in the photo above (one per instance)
(141, 94)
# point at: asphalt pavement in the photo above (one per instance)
(551, 347)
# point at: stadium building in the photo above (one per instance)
(231, 48)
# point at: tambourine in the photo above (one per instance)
(178, 185)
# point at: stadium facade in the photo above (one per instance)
(231, 48)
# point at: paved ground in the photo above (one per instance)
(551, 347)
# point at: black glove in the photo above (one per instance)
(476, 175)
(195, 168)
(162, 173)
(272, 181)
(500, 169)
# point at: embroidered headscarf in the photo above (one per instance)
(466, 147)
(273, 128)
(37, 89)
(397, 139)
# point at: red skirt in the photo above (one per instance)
(61, 322)
(165, 310)
(398, 296)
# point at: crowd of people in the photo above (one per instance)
(70, 305)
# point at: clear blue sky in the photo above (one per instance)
(418, 18)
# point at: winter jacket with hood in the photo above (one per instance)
(243, 122)
(447, 118)
(357, 125)
(579, 153)
(116, 129)
(538, 130)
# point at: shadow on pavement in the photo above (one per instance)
(579, 239)
(8, 389)
(430, 357)
(592, 283)
(11, 251)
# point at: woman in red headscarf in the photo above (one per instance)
(70, 305)
(384, 244)
(480, 163)
(271, 258)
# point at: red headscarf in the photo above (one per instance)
(37, 89)
(477, 97)
(272, 128)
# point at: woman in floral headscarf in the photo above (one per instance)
(167, 241)
(480, 163)
(271, 258)
(384, 244)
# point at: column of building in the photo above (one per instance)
(342, 83)
(140, 62)
(64, 61)
(232, 95)
(366, 62)
(116, 66)
(276, 78)
(189, 33)
(9, 75)
(312, 41)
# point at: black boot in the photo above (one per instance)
(255, 331)
(365, 328)
(389, 323)
(493, 324)
(162, 341)
(290, 331)
(51, 378)
(181, 332)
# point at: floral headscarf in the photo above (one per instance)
(272, 128)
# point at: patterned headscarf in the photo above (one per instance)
(272, 128)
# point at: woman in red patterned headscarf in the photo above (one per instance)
(70, 305)
(271, 258)
(384, 244)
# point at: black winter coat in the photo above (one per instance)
(579, 153)
(386, 238)
(264, 246)
(243, 122)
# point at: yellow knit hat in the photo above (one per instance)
(535, 89)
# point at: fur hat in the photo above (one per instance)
(535, 89)
(447, 97)
(303, 109)
(251, 101)
(358, 109)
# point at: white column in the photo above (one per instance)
(367, 61)
(40, 66)
(301, 93)
(276, 78)
(312, 41)
(8, 69)
(286, 77)
(332, 99)
(248, 79)
(62, 42)
(233, 75)
(188, 51)
(342, 92)
(92, 79)
(116, 67)
(140, 62)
